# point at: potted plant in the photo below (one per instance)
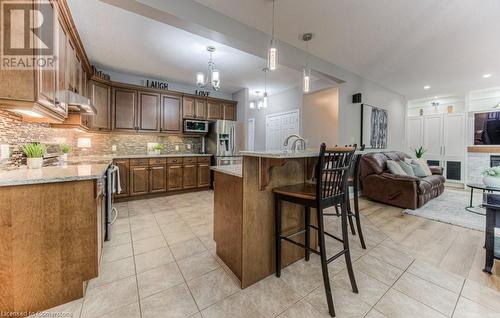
(34, 152)
(157, 149)
(65, 149)
(491, 177)
(419, 152)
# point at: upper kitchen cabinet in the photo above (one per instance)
(100, 96)
(124, 109)
(188, 107)
(214, 110)
(200, 109)
(171, 114)
(149, 111)
(229, 110)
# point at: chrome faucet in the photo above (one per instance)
(297, 140)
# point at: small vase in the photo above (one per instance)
(491, 181)
(35, 163)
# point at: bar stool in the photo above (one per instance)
(353, 181)
(330, 190)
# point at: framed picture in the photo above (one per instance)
(374, 123)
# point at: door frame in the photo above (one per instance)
(297, 111)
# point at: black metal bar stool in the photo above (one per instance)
(330, 190)
(353, 181)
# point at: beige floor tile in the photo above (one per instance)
(110, 272)
(166, 217)
(212, 287)
(107, 298)
(175, 302)
(369, 289)
(178, 236)
(484, 296)
(271, 296)
(209, 243)
(144, 233)
(158, 279)
(114, 253)
(129, 311)
(303, 277)
(197, 265)
(468, 309)
(394, 257)
(428, 293)
(150, 260)
(375, 314)
(301, 309)
(346, 303)
(437, 276)
(397, 305)
(149, 244)
(187, 248)
(234, 306)
(118, 239)
(71, 310)
(120, 228)
(377, 269)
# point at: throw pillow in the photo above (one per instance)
(395, 168)
(408, 168)
(408, 160)
(421, 168)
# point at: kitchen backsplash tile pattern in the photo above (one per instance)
(14, 132)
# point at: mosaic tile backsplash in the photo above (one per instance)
(14, 132)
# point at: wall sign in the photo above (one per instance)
(201, 93)
(157, 84)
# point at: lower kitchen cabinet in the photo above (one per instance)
(189, 176)
(139, 180)
(123, 166)
(203, 175)
(174, 177)
(157, 178)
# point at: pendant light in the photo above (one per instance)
(306, 73)
(273, 51)
(264, 98)
(212, 78)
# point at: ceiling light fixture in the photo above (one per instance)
(306, 76)
(212, 78)
(272, 58)
(264, 99)
(487, 75)
(426, 87)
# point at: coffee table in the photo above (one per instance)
(484, 188)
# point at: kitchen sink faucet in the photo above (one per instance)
(295, 142)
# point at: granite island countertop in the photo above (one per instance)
(282, 154)
(234, 170)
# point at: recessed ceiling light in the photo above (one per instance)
(487, 75)
(427, 87)
(435, 97)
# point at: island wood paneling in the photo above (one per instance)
(48, 244)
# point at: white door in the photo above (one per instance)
(433, 136)
(251, 134)
(415, 133)
(279, 126)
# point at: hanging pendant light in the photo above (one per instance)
(273, 51)
(306, 72)
(212, 78)
(264, 98)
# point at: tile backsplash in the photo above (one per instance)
(14, 132)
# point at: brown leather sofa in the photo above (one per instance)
(402, 191)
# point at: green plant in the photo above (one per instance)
(491, 172)
(158, 147)
(65, 148)
(34, 150)
(419, 152)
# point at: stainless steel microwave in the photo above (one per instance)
(196, 126)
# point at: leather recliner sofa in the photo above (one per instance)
(402, 191)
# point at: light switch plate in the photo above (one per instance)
(113, 148)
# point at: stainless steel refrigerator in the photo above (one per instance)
(224, 141)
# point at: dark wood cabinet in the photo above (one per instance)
(100, 96)
(189, 173)
(214, 110)
(124, 102)
(123, 166)
(229, 111)
(149, 111)
(200, 109)
(203, 175)
(157, 178)
(175, 176)
(139, 180)
(188, 107)
(171, 114)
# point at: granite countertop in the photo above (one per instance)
(282, 154)
(234, 170)
(61, 173)
(113, 156)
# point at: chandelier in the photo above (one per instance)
(212, 77)
(261, 101)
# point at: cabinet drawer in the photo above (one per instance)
(174, 160)
(203, 159)
(157, 161)
(189, 160)
(139, 162)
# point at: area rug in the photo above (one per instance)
(449, 208)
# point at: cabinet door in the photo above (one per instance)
(100, 96)
(214, 110)
(433, 136)
(61, 69)
(149, 111)
(157, 178)
(139, 180)
(174, 177)
(189, 176)
(203, 175)
(46, 83)
(229, 111)
(200, 109)
(171, 118)
(123, 166)
(188, 109)
(415, 133)
(124, 109)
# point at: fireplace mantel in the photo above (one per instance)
(484, 149)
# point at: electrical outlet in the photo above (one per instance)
(176, 147)
(113, 148)
(188, 146)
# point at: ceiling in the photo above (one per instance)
(131, 43)
(401, 44)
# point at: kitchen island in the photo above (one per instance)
(244, 211)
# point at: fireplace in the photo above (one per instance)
(494, 161)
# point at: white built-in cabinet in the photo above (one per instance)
(443, 135)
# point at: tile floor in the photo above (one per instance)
(161, 262)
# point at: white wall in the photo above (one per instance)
(320, 117)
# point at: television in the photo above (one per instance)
(487, 128)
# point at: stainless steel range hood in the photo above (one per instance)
(78, 103)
